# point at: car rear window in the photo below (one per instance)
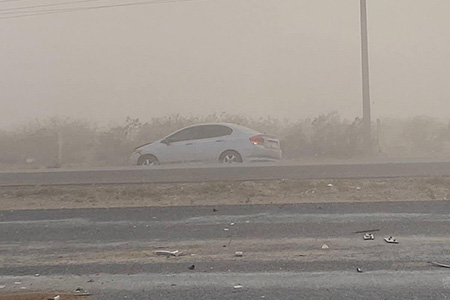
(211, 131)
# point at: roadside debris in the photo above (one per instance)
(238, 286)
(368, 236)
(81, 292)
(359, 270)
(358, 188)
(226, 229)
(330, 185)
(366, 231)
(439, 264)
(168, 253)
(191, 267)
(58, 297)
(239, 254)
(231, 224)
(391, 240)
(325, 246)
(30, 160)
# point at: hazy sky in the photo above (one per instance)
(286, 58)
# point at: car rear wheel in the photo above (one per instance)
(148, 160)
(230, 157)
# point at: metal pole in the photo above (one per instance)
(60, 148)
(365, 79)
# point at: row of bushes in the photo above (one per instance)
(83, 143)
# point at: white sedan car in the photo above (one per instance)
(213, 142)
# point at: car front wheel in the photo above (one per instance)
(148, 160)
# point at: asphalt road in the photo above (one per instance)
(204, 173)
(111, 252)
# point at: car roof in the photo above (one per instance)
(233, 126)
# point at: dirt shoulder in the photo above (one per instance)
(225, 193)
(40, 296)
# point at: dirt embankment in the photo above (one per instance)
(225, 193)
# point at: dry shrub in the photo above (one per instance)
(327, 135)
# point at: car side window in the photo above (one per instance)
(200, 132)
(183, 135)
(212, 131)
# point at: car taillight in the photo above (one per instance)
(257, 140)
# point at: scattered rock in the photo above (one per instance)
(330, 185)
(168, 253)
(359, 270)
(391, 240)
(239, 254)
(192, 267)
(81, 292)
(368, 236)
(2, 286)
(325, 246)
(226, 229)
(439, 264)
(238, 286)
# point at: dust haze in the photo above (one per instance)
(287, 59)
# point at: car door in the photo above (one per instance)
(212, 141)
(179, 147)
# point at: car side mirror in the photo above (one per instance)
(165, 141)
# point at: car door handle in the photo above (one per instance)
(219, 141)
(189, 144)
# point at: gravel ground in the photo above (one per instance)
(226, 193)
(40, 296)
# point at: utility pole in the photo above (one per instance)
(365, 79)
(60, 147)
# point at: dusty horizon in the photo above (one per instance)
(294, 59)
